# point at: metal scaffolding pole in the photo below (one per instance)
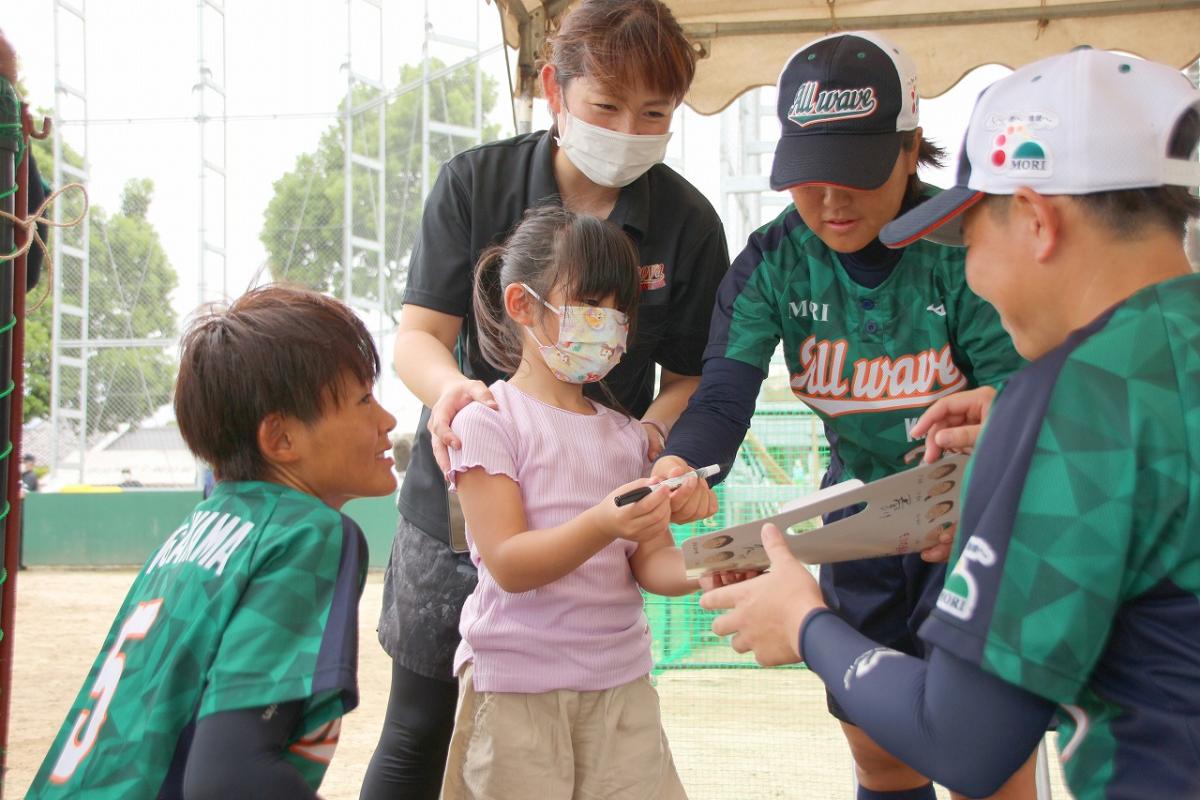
(210, 111)
(71, 326)
(430, 125)
(745, 190)
(364, 164)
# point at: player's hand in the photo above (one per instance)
(940, 552)
(637, 522)
(765, 614)
(694, 499)
(953, 423)
(654, 439)
(454, 399)
(728, 577)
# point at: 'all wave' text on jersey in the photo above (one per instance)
(877, 384)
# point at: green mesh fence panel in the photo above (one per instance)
(783, 458)
(737, 730)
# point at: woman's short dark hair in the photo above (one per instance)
(623, 44)
(274, 350)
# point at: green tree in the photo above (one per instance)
(129, 290)
(302, 230)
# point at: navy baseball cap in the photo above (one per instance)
(1082, 122)
(846, 104)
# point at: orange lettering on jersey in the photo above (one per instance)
(877, 384)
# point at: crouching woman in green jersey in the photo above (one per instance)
(871, 336)
(234, 656)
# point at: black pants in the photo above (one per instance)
(411, 755)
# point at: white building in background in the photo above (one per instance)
(153, 452)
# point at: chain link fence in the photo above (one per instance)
(272, 206)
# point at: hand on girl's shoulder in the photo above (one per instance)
(484, 437)
(474, 416)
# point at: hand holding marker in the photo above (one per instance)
(670, 483)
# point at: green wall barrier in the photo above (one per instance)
(123, 528)
(377, 516)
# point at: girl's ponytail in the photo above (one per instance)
(496, 342)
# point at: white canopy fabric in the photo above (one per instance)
(744, 43)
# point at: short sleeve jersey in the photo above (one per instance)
(480, 196)
(252, 601)
(868, 361)
(1080, 579)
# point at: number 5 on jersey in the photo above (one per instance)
(77, 746)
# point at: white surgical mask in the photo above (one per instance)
(591, 340)
(609, 158)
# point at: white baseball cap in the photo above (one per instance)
(1078, 123)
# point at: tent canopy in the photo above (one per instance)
(744, 43)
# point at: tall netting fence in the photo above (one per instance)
(191, 207)
(97, 379)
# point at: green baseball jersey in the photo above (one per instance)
(868, 361)
(252, 601)
(1079, 579)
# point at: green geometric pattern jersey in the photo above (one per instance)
(1080, 580)
(253, 600)
(867, 361)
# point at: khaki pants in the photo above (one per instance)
(560, 745)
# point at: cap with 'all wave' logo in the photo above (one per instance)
(846, 104)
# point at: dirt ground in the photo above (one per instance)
(735, 733)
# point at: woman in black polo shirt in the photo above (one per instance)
(616, 72)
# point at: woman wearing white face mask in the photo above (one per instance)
(616, 71)
(607, 157)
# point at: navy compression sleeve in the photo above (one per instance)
(947, 719)
(712, 427)
(240, 754)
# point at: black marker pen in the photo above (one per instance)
(670, 483)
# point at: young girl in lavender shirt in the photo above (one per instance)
(555, 655)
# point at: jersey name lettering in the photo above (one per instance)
(878, 384)
(190, 544)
